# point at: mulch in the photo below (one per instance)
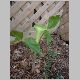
(47, 66)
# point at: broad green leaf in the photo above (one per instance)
(18, 35)
(53, 21)
(39, 31)
(47, 37)
(33, 45)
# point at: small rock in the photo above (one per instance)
(14, 67)
(64, 43)
(37, 70)
(16, 51)
(24, 63)
(58, 53)
(37, 66)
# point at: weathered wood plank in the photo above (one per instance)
(37, 14)
(47, 15)
(64, 28)
(52, 12)
(21, 10)
(16, 7)
(65, 18)
(25, 13)
(41, 10)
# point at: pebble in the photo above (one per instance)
(37, 70)
(64, 43)
(58, 53)
(14, 67)
(16, 51)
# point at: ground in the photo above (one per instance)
(52, 64)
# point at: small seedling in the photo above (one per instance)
(41, 30)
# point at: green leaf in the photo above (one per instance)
(18, 35)
(39, 31)
(47, 37)
(53, 21)
(33, 45)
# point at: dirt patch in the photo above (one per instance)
(53, 64)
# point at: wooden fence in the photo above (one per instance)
(24, 14)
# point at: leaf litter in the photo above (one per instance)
(52, 64)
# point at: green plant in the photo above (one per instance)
(16, 36)
(41, 30)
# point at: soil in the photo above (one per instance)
(52, 64)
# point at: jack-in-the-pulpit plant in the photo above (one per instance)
(41, 30)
